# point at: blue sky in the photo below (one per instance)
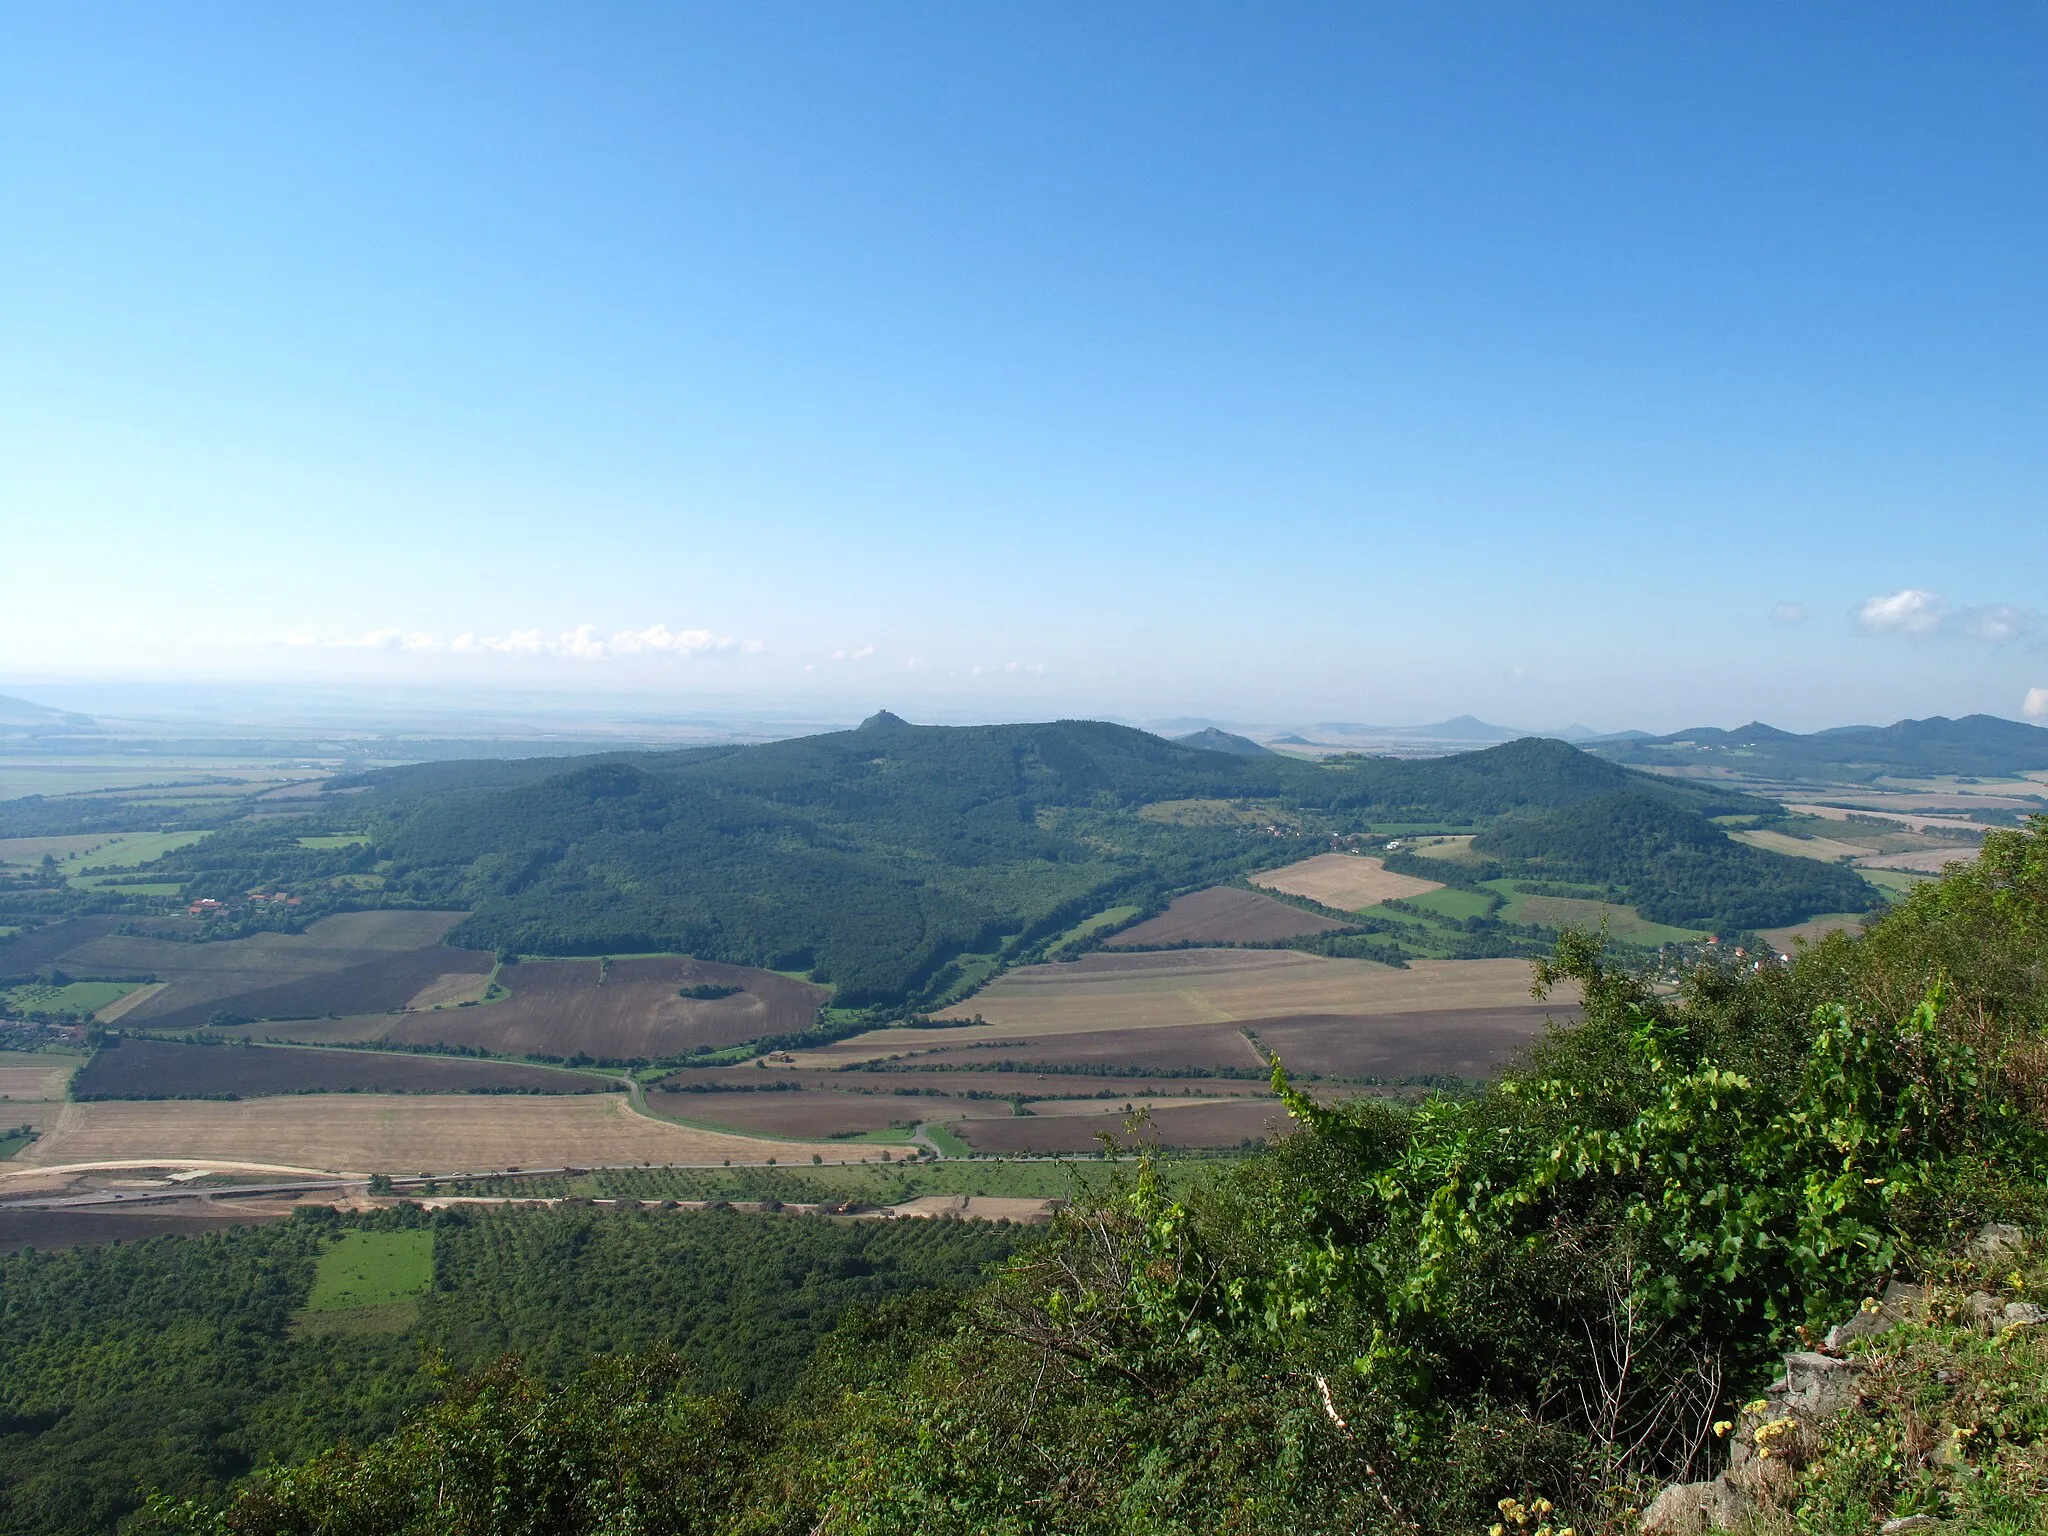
(1646, 366)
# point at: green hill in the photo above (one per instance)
(1975, 744)
(873, 858)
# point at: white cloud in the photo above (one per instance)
(1915, 611)
(1909, 611)
(584, 643)
(2036, 705)
(2000, 623)
(860, 655)
(1788, 613)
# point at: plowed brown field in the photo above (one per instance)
(1224, 914)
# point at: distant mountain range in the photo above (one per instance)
(1975, 745)
(19, 714)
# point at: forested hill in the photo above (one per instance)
(871, 858)
(1975, 744)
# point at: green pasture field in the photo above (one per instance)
(79, 997)
(1565, 911)
(31, 774)
(947, 1142)
(1452, 902)
(1896, 882)
(13, 1139)
(1092, 925)
(102, 882)
(95, 850)
(372, 1269)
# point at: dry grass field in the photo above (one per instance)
(366, 1133)
(29, 1076)
(1224, 914)
(1813, 929)
(1925, 861)
(1828, 849)
(1213, 986)
(1349, 882)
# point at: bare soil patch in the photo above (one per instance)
(170, 1069)
(366, 1133)
(1448, 1043)
(353, 962)
(806, 1114)
(1224, 914)
(629, 1009)
(47, 1230)
(1350, 882)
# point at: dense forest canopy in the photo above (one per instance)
(181, 1362)
(1537, 1304)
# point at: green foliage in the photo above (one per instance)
(180, 1363)
(1671, 863)
(625, 1447)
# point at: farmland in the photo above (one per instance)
(372, 1269)
(611, 1010)
(168, 1069)
(352, 962)
(1348, 882)
(1196, 986)
(1224, 915)
(364, 1133)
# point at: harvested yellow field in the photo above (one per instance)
(1349, 882)
(129, 1001)
(1108, 991)
(409, 1133)
(1927, 861)
(1828, 849)
(31, 1076)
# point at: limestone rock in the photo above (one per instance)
(1986, 1313)
(2020, 1314)
(1687, 1509)
(1901, 1304)
(1816, 1385)
(1996, 1242)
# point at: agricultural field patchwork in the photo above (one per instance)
(170, 1069)
(1224, 914)
(616, 1010)
(1197, 986)
(1349, 882)
(367, 1133)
